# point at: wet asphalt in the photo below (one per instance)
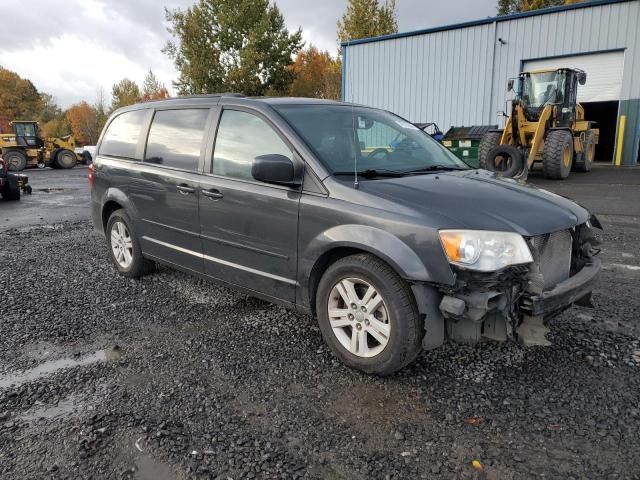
(172, 377)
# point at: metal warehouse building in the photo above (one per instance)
(457, 74)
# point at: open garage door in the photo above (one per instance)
(604, 73)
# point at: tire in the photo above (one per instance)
(11, 190)
(505, 160)
(15, 160)
(53, 162)
(585, 162)
(137, 266)
(489, 141)
(66, 159)
(557, 155)
(396, 314)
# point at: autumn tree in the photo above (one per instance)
(56, 127)
(153, 89)
(317, 75)
(124, 93)
(84, 123)
(231, 45)
(514, 6)
(367, 18)
(19, 98)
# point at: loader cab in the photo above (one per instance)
(559, 88)
(27, 134)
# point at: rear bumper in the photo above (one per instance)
(567, 292)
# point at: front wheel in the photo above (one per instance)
(66, 159)
(557, 154)
(368, 315)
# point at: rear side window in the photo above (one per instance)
(241, 138)
(175, 138)
(122, 135)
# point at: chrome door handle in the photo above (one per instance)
(212, 194)
(185, 189)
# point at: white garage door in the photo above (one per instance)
(604, 73)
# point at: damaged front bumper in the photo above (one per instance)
(564, 293)
(516, 302)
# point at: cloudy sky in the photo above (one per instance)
(72, 48)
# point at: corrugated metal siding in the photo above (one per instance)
(458, 77)
(444, 76)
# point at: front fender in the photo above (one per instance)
(369, 239)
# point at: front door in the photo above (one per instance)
(249, 229)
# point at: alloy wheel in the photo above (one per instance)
(359, 317)
(121, 244)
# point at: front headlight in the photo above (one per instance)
(483, 250)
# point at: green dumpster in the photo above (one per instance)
(464, 141)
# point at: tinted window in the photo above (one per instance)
(241, 138)
(175, 138)
(122, 135)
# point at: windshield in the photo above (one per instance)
(540, 89)
(341, 136)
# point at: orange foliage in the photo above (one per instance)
(84, 123)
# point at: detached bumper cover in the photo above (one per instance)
(567, 292)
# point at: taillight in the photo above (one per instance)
(3, 166)
(91, 177)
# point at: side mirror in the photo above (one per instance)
(510, 85)
(582, 78)
(274, 168)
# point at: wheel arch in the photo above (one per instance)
(115, 199)
(342, 241)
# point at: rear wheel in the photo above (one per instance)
(124, 247)
(585, 163)
(489, 141)
(368, 315)
(557, 155)
(505, 160)
(16, 161)
(66, 159)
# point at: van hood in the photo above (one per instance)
(480, 200)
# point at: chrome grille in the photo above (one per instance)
(554, 253)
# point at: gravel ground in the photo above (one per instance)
(172, 377)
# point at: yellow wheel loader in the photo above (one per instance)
(24, 147)
(546, 124)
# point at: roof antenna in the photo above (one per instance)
(356, 185)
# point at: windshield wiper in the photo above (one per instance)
(436, 168)
(374, 173)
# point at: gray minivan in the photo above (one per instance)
(347, 212)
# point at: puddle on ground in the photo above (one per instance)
(65, 407)
(52, 366)
(56, 190)
(149, 468)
